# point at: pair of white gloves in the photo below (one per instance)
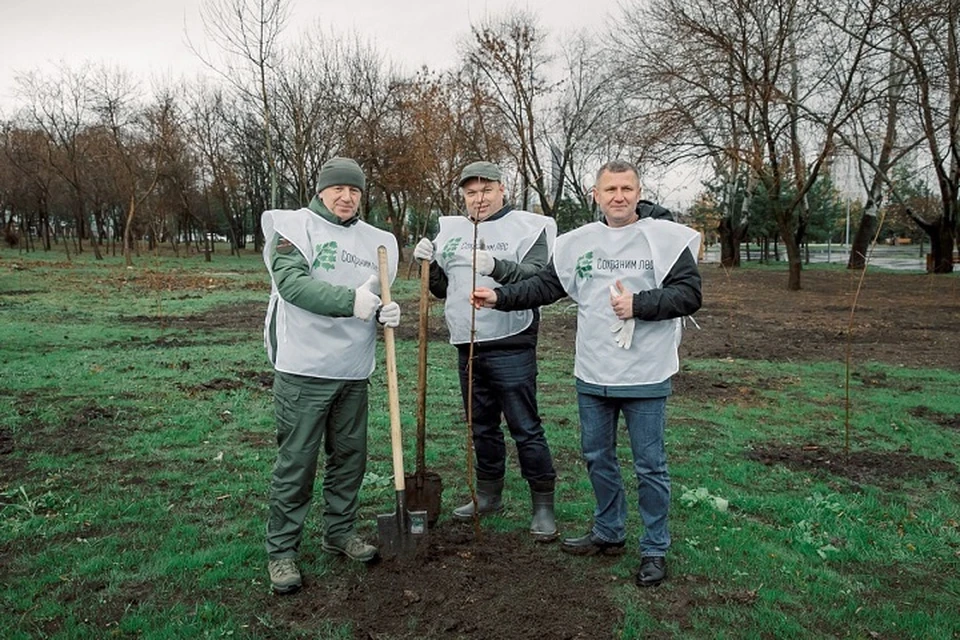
(367, 304)
(485, 263)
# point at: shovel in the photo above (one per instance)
(402, 531)
(424, 488)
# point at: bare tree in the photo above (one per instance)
(247, 33)
(60, 107)
(507, 56)
(28, 181)
(929, 29)
(876, 153)
(779, 71)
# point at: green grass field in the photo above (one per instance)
(136, 441)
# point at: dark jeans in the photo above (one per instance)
(505, 383)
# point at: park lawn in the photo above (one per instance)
(136, 441)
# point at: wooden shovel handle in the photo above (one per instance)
(422, 364)
(393, 393)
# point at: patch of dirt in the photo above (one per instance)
(501, 586)
(150, 280)
(882, 468)
(6, 441)
(262, 379)
(257, 379)
(945, 420)
(244, 316)
(217, 384)
(907, 319)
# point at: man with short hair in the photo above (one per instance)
(512, 245)
(632, 280)
(320, 334)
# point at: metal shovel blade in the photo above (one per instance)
(425, 493)
(402, 532)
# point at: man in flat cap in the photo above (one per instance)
(512, 246)
(320, 334)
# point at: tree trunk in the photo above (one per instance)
(127, 232)
(730, 239)
(866, 230)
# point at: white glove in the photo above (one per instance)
(366, 302)
(423, 250)
(485, 262)
(623, 332)
(389, 315)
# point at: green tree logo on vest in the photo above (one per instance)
(585, 265)
(450, 248)
(326, 256)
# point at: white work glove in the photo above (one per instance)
(389, 315)
(485, 262)
(423, 250)
(366, 302)
(623, 332)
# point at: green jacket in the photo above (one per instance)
(296, 285)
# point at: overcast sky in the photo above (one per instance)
(147, 37)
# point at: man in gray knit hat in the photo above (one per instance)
(320, 334)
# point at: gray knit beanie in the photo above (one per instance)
(341, 171)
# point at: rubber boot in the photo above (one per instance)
(488, 500)
(543, 526)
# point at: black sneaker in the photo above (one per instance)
(591, 545)
(653, 571)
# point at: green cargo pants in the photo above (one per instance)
(311, 412)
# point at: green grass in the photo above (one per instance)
(134, 500)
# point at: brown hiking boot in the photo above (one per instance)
(352, 546)
(284, 575)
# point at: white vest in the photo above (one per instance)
(590, 259)
(510, 238)
(321, 346)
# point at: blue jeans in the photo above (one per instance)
(505, 383)
(645, 418)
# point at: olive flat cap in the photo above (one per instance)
(481, 169)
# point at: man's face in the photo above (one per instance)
(342, 200)
(617, 195)
(482, 197)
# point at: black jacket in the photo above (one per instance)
(647, 209)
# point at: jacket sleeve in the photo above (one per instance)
(680, 295)
(295, 284)
(438, 281)
(542, 288)
(508, 272)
